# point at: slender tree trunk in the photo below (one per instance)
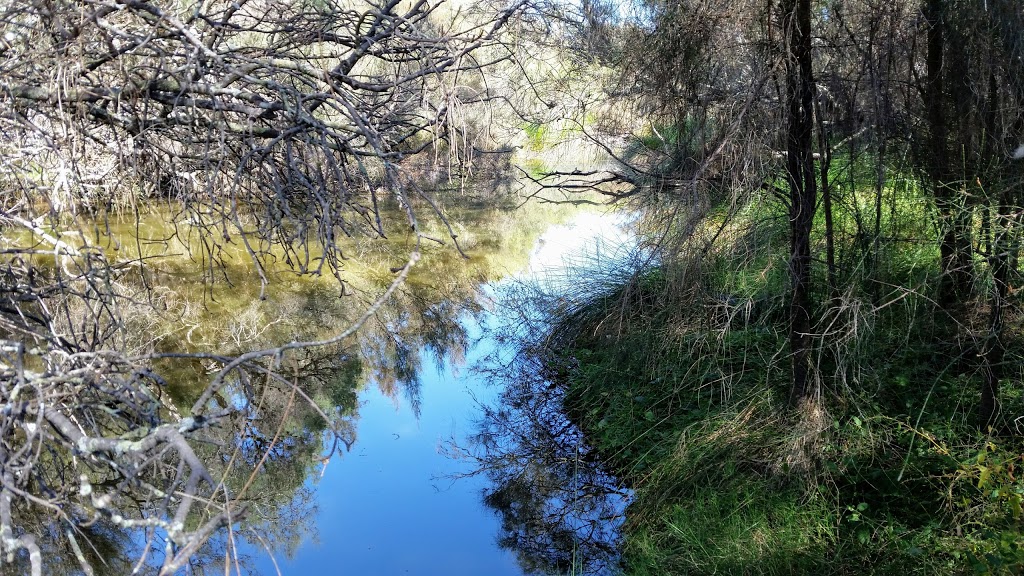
(876, 250)
(825, 164)
(803, 190)
(999, 249)
(880, 71)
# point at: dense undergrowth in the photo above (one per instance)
(677, 374)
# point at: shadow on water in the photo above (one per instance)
(560, 508)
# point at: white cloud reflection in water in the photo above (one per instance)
(590, 239)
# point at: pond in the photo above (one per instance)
(400, 500)
(412, 447)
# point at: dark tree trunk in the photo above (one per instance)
(825, 164)
(955, 244)
(803, 190)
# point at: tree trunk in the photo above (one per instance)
(824, 165)
(803, 190)
(955, 250)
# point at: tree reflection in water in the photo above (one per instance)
(290, 436)
(560, 510)
(261, 453)
(278, 431)
(276, 418)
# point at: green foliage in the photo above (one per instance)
(988, 496)
(537, 135)
(671, 148)
(678, 377)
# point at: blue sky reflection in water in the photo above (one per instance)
(389, 506)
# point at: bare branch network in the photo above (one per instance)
(273, 126)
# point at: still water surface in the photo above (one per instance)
(391, 504)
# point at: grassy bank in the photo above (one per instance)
(678, 376)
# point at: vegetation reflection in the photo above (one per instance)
(280, 427)
(559, 505)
